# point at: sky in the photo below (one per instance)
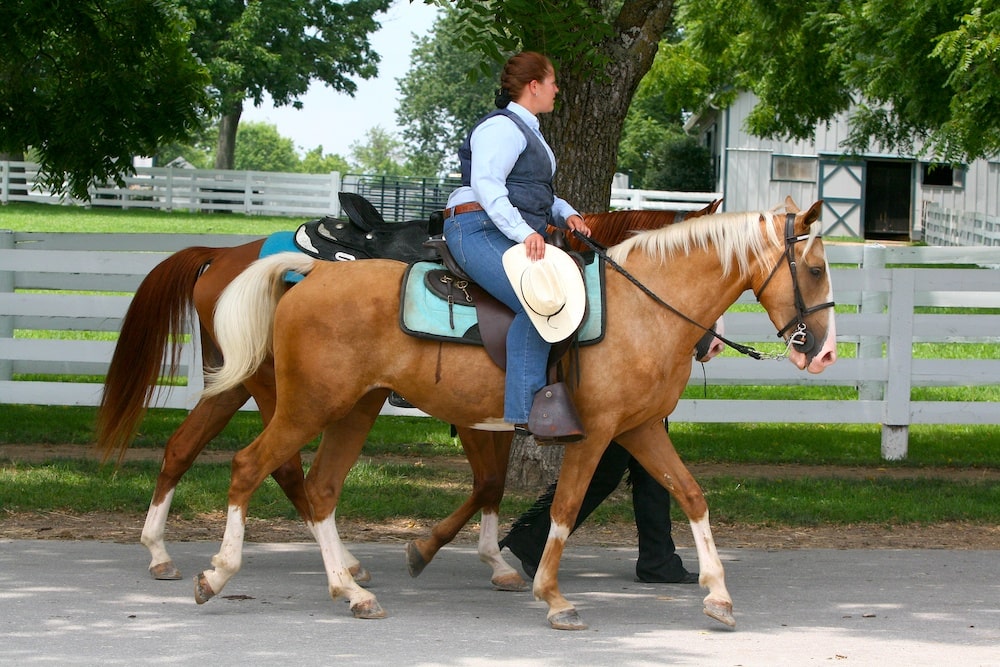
(336, 120)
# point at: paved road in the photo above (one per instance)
(91, 603)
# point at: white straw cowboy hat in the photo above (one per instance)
(551, 290)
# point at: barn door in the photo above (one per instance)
(841, 187)
(888, 188)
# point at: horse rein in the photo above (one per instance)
(802, 339)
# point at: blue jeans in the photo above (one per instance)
(478, 246)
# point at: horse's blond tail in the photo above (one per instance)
(244, 318)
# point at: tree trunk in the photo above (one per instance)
(586, 126)
(225, 151)
(584, 132)
(532, 468)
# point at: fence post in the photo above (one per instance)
(899, 353)
(195, 371)
(6, 321)
(335, 187)
(872, 301)
(168, 199)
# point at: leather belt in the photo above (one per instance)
(462, 208)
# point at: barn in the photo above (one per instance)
(871, 196)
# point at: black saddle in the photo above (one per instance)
(366, 235)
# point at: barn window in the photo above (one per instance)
(937, 173)
(794, 168)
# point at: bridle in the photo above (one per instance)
(801, 338)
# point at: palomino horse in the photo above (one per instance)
(627, 382)
(194, 278)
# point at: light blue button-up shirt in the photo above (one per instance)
(496, 144)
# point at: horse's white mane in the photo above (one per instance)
(734, 236)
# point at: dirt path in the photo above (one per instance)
(126, 527)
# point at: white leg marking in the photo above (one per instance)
(349, 559)
(154, 529)
(711, 574)
(489, 551)
(230, 557)
(559, 531)
(341, 583)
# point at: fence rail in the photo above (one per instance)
(42, 275)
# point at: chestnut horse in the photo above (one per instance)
(626, 383)
(193, 278)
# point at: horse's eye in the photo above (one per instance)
(815, 271)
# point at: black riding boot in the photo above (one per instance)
(658, 561)
(527, 536)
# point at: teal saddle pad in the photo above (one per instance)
(281, 242)
(424, 314)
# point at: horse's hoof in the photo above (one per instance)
(368, 609)
(567, 619)
(164, 571)
(202, 590)
(415, 562)
(720, 611)
(510, 582)
(362, 576)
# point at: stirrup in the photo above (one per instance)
(553, 419)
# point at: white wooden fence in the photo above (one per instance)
(662, 200)
(174, 188)
(882, 331)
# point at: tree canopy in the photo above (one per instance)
(601, 49)
(449, 85)
(280, 47)
(919, 76)
(89, 84)
(260, 147)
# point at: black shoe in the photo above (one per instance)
(529, 566)
(686, 578)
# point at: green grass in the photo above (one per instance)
(372, 491)
(377, 492)
(30, 424)
(880, 500)
(815, 444)
(21, 217)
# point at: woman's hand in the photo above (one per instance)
(577, 224)
(534, 247)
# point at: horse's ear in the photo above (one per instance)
(812, 215)
(791, 206)
(707, 210)
(714, 206)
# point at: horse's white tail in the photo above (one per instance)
(244, 318)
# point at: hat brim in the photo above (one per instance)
(563, 324)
